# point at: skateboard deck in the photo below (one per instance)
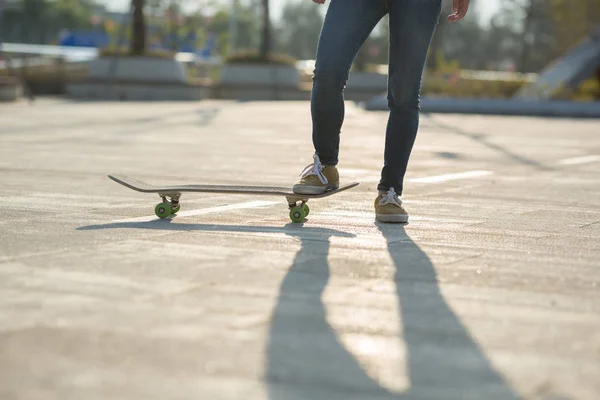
(171, 194)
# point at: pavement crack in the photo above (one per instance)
(586, 225)
(465, 259)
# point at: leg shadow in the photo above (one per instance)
(443, 360)
(306, 360)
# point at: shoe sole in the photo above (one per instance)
(313, 189)
(393, 218)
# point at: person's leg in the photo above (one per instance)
(347, 25)
(412, 24)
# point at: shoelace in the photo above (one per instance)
(391, 198)
(315, 169)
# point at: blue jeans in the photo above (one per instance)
(347, 26)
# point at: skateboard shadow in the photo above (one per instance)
(306, 360)
(291, 229)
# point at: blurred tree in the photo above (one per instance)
(572, 21)
(248, 28)
(375, 49)
(464, 42)
(173, 19)
(299, 29)
(550, 28)
(377, 46)
(438, 39)
(472, 43)
(41, 21)
(34, 23)
(499, 44)
(265, 37)
(536, 34)
(138, 27)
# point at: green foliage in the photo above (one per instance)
(253, 57)
(572, 21)
(448, 86)
(8, 80)
(247, 29)
(465, 85)
(40, 21)
(444, 65)
(546, 29)
(449, 79)
(49, 79)
(299, 29)
(126, 52)
(587, 91)
(367, 67)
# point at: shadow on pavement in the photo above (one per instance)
(203, 117)
(291, 229)
(482, 139)
(305, 358)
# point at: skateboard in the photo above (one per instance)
(170, 195)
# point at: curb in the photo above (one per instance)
(554, 108)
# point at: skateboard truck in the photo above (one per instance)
(167, 207)
(297, 212)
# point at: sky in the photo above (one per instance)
(487, 7)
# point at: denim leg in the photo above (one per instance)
(347, 25)
(412, 24)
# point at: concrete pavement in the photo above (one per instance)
(492, 291)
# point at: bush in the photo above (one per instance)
(8, 80)
(448, 79)
(253, 57)
(453, 86)
(587, 91)
(126, 52)
(47, 79)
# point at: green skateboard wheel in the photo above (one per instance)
(306, 210)
(162, 210)
(175, 209)
(297, 214)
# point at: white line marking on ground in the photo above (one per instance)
(370, 215)
(579, 160)
(452, 177)
(438, 178)
(204, 211)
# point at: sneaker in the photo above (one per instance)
(317, 178)
(388, 208)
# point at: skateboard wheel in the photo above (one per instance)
(162, 210)
(175, 208)
(306, 210)
(297, 214)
